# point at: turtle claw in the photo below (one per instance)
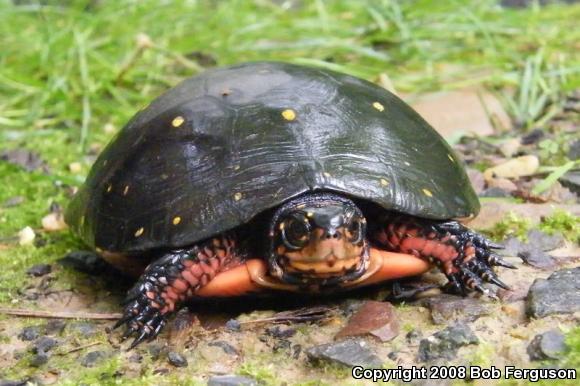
(474, 269)
(496, 260)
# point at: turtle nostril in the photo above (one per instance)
(331, 234)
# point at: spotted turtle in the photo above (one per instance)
(270, 176)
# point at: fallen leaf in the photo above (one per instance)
(518, 167)
(374, 318)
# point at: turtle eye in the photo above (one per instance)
(296, 232)
(355, 230)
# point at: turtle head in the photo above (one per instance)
(318, 239)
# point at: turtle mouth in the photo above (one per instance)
(330, 266)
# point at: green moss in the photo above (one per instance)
(262, 371)
(511, 225)
(563, 222)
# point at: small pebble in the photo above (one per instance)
(26, 236)
(278, 332)
(53, 222)
(93, 358)
(38, 270)
(548, 345)
(176, 359)
(12, 202)
(29, 333)
(39, 359)
(75, 167)
(84, 329)
(231, 380)
(54, 326)
(44, 344)
(233, 325)
(228, 348)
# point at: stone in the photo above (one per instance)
(280, 333)
(445, 343)
(93, 358)
(231, 380)
(12, 202)
(54, 326)
(468, 110)
(39, 359)
(84, 329)
(532, 137)
(29, 333)
(571, 180)
(559, 294)
(502, 183)
(38, 270)
(7, 382)
(445, 308)
(495, 192)
(228, 348)
(176, 359)
(44, 344)
(233, 325)
(349, 353)
(53, 222)
(574, 151)
(537, 258)
(533, 252)
(544, 241)
(372, 318)
(548, 345)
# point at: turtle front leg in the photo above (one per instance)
(464, 256)
(169, 281)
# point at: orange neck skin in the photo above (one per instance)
(252, 276)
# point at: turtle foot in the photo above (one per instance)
(167, 283)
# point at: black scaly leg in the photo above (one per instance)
(167, 282)
(465, 256)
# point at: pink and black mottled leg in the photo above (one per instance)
(170, 280)
(464, 256)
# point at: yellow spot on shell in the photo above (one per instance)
(177, 121)
(99, 250)
(326, 174)
(309, 214)
(238, 196)
(126, 190)
(428, 192)
(139, 232)
(289, 114)
(378, 106)
(384, 182)
(450, 157)
(176, 220)
(109, 188)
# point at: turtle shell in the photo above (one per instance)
(219, 148)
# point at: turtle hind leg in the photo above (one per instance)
(464, 256)
(170, 280)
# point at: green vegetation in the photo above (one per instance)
(73, 72)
